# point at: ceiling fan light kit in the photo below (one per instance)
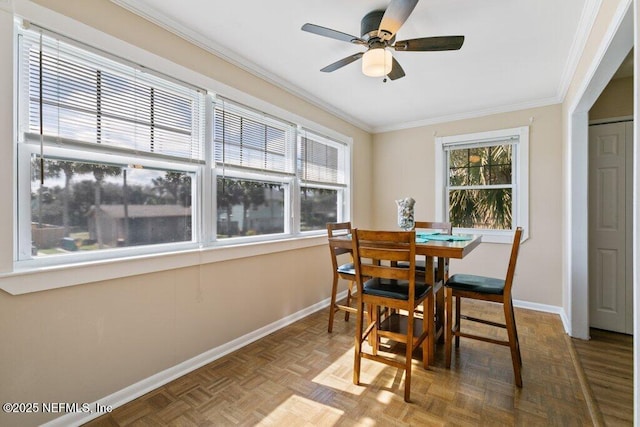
(377, 62)
(378, 34)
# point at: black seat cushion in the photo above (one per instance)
(397, 289)
(420, 265)
(481, 284)
(347, 268)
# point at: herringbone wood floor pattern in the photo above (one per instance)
(302, 376)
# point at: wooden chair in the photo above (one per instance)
(382, 284)
(344, 271)
(486, 289)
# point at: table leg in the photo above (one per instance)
(439, 298)
(430, 279)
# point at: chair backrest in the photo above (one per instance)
(515, 248)
(376, 254)
(432, 225)
(337, 229)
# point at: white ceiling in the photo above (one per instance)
(516, 54)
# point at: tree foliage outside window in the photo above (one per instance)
(480, 190)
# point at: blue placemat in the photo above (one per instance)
(425, 237)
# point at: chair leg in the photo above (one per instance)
(358, 342)
(448, 325)
(375, 338)
(515, 330)
(332, 306)
(428, 324)
(458, 314)
(516, 359)
(408, 357)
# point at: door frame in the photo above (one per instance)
(615, 47)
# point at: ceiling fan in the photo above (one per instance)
(378, 33)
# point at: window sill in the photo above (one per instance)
(36, 279)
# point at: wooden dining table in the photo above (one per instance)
(434, 251)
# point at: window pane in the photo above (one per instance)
(318, 206)
(318, 161)
(93, 99)
(90, 206)
(457, 176)
(488, 209)
(249, 208)
(500, 164)
(480, 166)
(245, 142)
(458, 158)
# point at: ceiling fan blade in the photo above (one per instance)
(332, 34)
(341, 63)
(396, 71)
(430, 44)
(393, 18)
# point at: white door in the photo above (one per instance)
(610, 214)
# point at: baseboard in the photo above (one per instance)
(153, 382)
(546, 309)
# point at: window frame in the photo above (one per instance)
(342, 186)
(290, 176)
(519, 180)
(286, 181)
(204, 247)
(26, 150)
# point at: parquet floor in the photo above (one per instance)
(607, 363)
(302, 376)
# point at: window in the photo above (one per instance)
(482, 182)
(254, 158)
(107, 153)
(262, 174)
(115, 159)
(322, 166)
(248, 207)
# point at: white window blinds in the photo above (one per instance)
(89, 99)
(321, 160)
(247, 139)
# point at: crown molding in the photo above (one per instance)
(171, 25)
(470, 114)
(585, 24)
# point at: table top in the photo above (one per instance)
(438, 248)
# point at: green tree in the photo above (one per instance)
(174, 187)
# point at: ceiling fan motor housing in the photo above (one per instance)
(369, 26)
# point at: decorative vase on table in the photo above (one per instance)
(405, 213)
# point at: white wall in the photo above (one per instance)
(403, 165)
